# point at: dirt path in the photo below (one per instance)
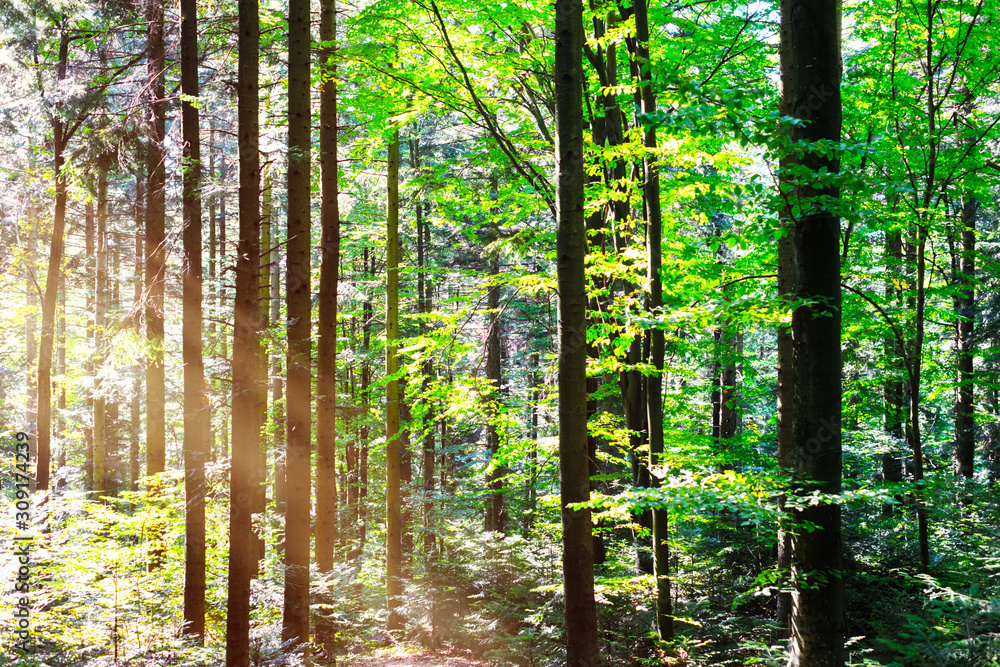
(395, 658)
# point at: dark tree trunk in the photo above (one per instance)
(246, 342)
(326, 389)
(571, 249)
(155, 251)
(785, 371)
(496, 517)
(295, 624)
(197, 418)
(393, 450)
(811, 64)
(654, 382)
(965, 420)
(59, 140)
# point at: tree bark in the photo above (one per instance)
(155, 251)
(812, 65)
(571, 249)
(246, 341)
(496, 517)
(295, 623)
(965, 305)
(393, 450)
(326, 389)
(47, 341)
(654, 382)
(100, 287)
(197, 418)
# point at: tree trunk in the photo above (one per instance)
(295, 623)
(496, 518)
(197, 418)
(135, 412)
(326, 381)
(965, 305)
(277, 410)
(52, 282)
(425, 292)
(155, 254)
(393, 450)
(571, 249)
(263, 362)
(654, 382)
(246, 341)
(100, 287)
(785, 370)
(812, 64)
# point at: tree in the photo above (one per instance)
(393, 436)
(156, 251)
(571, 245)
(197, 419)
(811, 72)
(326, 358)
(295, 622)
(246, 341)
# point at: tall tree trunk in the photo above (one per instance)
(367, 313)
(654, 382)
(295, 622)
(90, 270)
(892, 466)
(59, 140)
(246, 342)
(61, 363)
(812, 64)
(326, 387)
(100, 288)
(424, 295)
(496, 518)
(31, 329)
(155, 253)
(571, 249)
(263, 362)
(965, 420)
(785, 370)
(197, 418)
(135, 413)
(393, 450)
(278, 419)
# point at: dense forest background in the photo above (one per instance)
(283, 327)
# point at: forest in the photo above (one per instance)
(446, 333)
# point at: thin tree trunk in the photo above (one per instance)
(246, 342)
(295, 622)
(277, 410)
(156, 255)
(571, 248)
(496, 518)
(654, 382)
(46, 344)
(424, 294)
(326, 361)
(393, 450)
(197, 418)
(100, 287)
(965, 304)
(263, 362)
(135, 409)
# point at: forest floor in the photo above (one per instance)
(398, 658)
